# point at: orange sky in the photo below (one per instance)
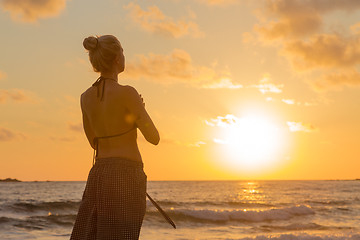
(238, 89)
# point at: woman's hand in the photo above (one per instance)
(135, 104)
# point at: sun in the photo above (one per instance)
(250, 143)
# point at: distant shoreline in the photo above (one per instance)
(9, 180)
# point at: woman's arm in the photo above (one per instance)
(143, 121)
(89, 132)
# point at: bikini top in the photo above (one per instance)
(96, 139)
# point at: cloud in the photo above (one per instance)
(220, 121)
(298, 18)
(355, 29)
(265, 85)
(230, 120)
(177, 67)
(223, 83)
(269, 87)
(76, 127)
(32, 10)
(153, 20)
(219, 2)
(294, 102)
(17, 95)
(220, 141)
(289, 18)
(8, 135)
(301, 127)
(197, 144)
(288, 101)
(300, 26)
(324, 51)
(336, 80)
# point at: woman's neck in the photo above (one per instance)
(113, 76)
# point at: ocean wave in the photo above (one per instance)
(295, 226)
(56, 219)
(5, 220)
(210, 215)
(329, 202)
(301, 227)
(59, 206)
(350, 236)
(42, 206)
(209, 203)
(39, 222)
(185, 215)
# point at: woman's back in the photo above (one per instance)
(113, 111)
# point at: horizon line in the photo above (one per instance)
(204, 180)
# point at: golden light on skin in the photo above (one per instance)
(252, 143)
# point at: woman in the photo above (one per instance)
(114, 201)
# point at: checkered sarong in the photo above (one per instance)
(114, 201)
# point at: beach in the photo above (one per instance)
(222, 210)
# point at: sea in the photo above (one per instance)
(201, 210)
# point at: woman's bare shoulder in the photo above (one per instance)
(128, 88)
(85, 93)
(128, 91)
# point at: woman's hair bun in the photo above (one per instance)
(90, 43)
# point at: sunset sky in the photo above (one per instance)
(238, 89)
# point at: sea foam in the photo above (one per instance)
(304, 236)
(242, 215)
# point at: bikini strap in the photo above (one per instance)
(97, 85)
(96, 141)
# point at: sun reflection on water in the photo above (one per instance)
(251, 195)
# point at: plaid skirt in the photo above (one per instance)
(114, 201)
